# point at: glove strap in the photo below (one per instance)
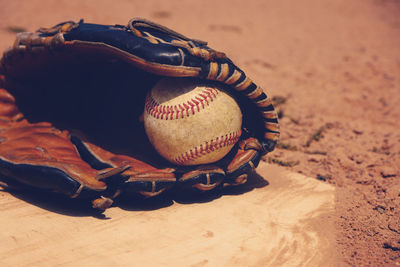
(135, 22)
(65, 26)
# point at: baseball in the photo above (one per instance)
(190, 122)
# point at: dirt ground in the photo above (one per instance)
(333, 68)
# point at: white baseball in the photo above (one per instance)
(191, 123)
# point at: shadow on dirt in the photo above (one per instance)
(82, 208)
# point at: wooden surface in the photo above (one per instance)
(282, 222)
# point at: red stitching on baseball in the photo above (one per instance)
(164, 112)
(208, 147)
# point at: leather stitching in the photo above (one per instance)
(208, 147)
(180, 111)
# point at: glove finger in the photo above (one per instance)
(237, 167)
(137, 176)
(38, 155)
(245, 160)
(202, 178)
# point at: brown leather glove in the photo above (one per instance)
(80, 91)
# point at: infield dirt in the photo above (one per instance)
(333, 68)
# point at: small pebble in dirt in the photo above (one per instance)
(380, 209)
(394, 228)
(323, 177)
(387, 171)
(392, 246)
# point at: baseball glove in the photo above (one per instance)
(71, 100)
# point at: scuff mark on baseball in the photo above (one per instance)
(190, 122)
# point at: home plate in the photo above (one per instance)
(288, 222)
